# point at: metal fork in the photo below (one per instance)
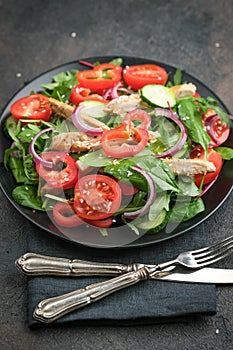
(51, 309)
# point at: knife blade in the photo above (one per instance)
(205, 275)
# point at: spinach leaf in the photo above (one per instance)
(26, 195)
(161, 202)
(17, 168)
(178, 77)
(160, 172)
(189, 116)
(225, 152)
(118, 61)
(187, 186)
(29, 168)
(182, 212)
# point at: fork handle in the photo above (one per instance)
(49, 310)
(35, 264)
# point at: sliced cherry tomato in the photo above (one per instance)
(80, 94)
(217, 129)
(123, 141)
(212, 157)
(140, 75)
(96, 197)
(65, 216)
(103, 76)
(63, 174)
(197, 95)
(31, 107)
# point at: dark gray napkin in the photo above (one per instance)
(144, 303)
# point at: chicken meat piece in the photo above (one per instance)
(190, 166)
(184, 90)
(123, 104)
(71, 142)
(61, 109)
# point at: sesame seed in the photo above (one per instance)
(73, 35)
(19, 75)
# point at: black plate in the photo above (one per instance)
(119, 237)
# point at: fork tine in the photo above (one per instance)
(210, 256)
(214, 250)
(215, 258)
(214, 246)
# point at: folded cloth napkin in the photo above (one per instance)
(144, 303)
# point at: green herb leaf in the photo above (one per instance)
(178, 77)
(62, 85)
(189, 116)
(225, 152)
(26, 195)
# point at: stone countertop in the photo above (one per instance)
(36, 36)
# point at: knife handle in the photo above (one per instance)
(49, 310)
(34, 264)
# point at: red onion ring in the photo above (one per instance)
(36, 157)
(113, 92)
(85, 63)
(81, 125)
(173, 116)
(151, 197)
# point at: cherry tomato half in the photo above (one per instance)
(96, 197)
(80, 94)
(212, 157)
(63, 174)
(217, 129)
(103, 76)
(31, 107)
(140, 75)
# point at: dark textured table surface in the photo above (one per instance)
(38, 35)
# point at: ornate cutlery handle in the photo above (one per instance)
(35, 264)
(49, 310)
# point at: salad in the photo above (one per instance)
(114, 145)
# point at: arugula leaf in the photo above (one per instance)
(61, 86)
(225, 152)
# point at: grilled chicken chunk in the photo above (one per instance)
(184, 90)
(123, 104)
(62, 109)
(75, 142)
(190, 166)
